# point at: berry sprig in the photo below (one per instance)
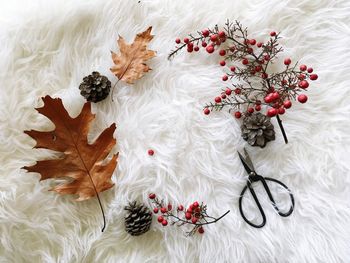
(195, 215)
(246, 62)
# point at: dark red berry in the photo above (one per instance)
(267, 57)
(245, 61)
(259, 44)
(205, 32)
(232, 48)
(238, 114)
(210, 49)
(206, 111)
(196, 204)
(303, 67)
(284, 82)
(178, 41)
(264, 75)
(204, 44)
(275, 96)
(237, 91)
(194, 220)
(250, 50)
(218, 99)
(223, 96)
(196, 48)
(250, 110)
(189, 49)
(258, 107)
(188, 216)
(152, 196)
(180, 208)
(313, 76)
(287, 61)
(228, 92)
(310, 70)
(164, 222)
(222, 34)
(268, 99)
(272, 112)
(287, 104)
(232, 68)
(273, 33)
(160, 219)
(163, 210)
(281, 110)
(201, 230)
(170, 207)
(252, 42)
(303, 84)
(224, 77)
(301, 76)
(190, 209)
(302, 98)
(222, 63)
(155, 210)
(222, 52)
(213, 38)
(258, 68)
(150, 152)
(186, 40)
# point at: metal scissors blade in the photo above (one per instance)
(246, 161)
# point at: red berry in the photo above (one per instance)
(189, 50)
(273, 33)
(180, 208)
(275, 96)
(264, 75)
(267, 57)
(222, 52)
(163, 210)
(160, 219)
(178, 41)
(155, 210)
(268, 99)
(218, 99)
(252, 42)
(238, 114)
(232, 68)
(287, 61)
(222, 63)
(194, 220)
(222, 34)
(170, 207)
(245, 61)
(250, 110)
(190, 210)
(150, 152)
(201, 230)
(196, 204)
(152, 196)
(250, 50)
(310, 70)
(302, 98)
(258, 68)
(232, 48)
(281, 110)
(237, 91)
(303, 84)
(303, 67)
(272, 112)
(206, 111)
(210, 49)
(196, 48)
(301, 76)
(259, 44)
(188, 216)
(224, 77)
(228, 92)
(258, 107)
(213, 38)
(223, 96)
(287, 104)
(284, 82)
(313, 76)
(186, 40)
(204, 44)
(205, 32)
(164, 222)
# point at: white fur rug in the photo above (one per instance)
(47, 47)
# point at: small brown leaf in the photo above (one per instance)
(131, 65)
(81, 162)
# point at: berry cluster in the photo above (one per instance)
(247, 61)
(195, 215)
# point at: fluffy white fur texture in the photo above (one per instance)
(48, 46)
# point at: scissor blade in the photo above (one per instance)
(248, 160)
(245, 164)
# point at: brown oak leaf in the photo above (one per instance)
(131, 65)
(81, 163)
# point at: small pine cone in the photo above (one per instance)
(257, 129)
(95, 87)
(138, 220)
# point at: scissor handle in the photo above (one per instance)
(267, 189)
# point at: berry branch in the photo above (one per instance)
(247, 65)
(195, 215)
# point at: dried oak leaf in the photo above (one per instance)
(81, 163)
(131, 65)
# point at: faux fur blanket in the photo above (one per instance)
(47, 47)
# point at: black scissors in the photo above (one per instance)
(254, 177)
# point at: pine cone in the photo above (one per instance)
(257, 129)
(95, 87)
(138, 220)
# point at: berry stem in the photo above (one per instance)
(279, 121)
